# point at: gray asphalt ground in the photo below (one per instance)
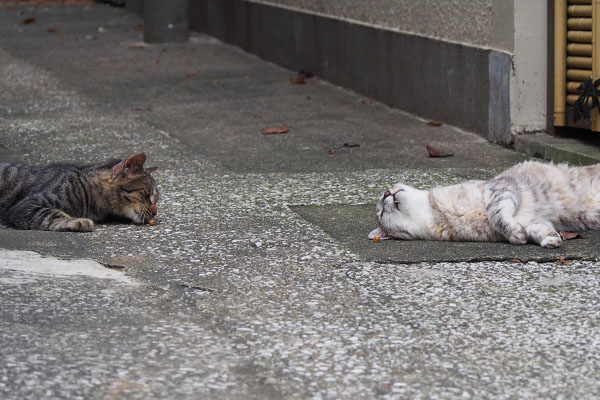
(258, 282)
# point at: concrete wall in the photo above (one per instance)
(485, 23)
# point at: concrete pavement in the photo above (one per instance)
(247, 287)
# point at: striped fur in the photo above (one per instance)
(530, 202)
(69, 197)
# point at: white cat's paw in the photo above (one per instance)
(551, 241)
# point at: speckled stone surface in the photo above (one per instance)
(232, 294)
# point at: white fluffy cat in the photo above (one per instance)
(529, 202)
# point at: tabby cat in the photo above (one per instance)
(70, 197)
(530, 202)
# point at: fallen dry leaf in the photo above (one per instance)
(570, 235)
(258, 116)
(351, 144)
(136, 46)
(517, 261)
(433, 153)
(562, 260)
(139, 27)
(298, 81)
(434, 123)
(51, 30)
(367, 101)
(331, 151)
(273, 131)
(28, 21)
(376, 239)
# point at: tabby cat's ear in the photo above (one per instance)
(378, 232)
(131, 166)
(151, 170)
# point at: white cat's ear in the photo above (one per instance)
(378, 232)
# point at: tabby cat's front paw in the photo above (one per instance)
(79, 225)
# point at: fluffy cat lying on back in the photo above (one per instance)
(72, 197)
(530, 202)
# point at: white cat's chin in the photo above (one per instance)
(378, 232)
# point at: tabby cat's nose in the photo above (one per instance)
(154, 209)
(386, 194)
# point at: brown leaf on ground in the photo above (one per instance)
(434, 123)
(51, 30)
(367, 101)
(274, 131)
(351, 144)
(433, 153)
(136, 46)
(516, 261)
(331, 151)
(139, 27)
(570, 235)
(28, 21)
(298, 81)
(562, 260)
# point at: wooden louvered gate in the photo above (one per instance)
(576, 38)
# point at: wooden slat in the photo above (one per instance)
(579, 63)
(572, 98)
(578, 74)
(579, 36)
(579, 24)
(560, 64)
(572, 87)
(579, 11)
(579, 49)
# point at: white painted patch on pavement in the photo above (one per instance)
(32, 263)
